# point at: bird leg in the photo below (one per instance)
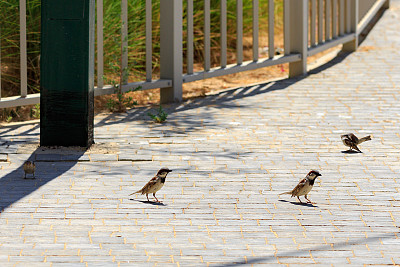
(299, 199)
(154, 195)
(147, 195)
(308, 201)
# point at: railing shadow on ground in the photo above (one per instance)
(306, 251)
(8, 129)
(13, 187)
(220, 100)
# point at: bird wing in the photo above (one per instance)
(147, 186)
(353, 138)
(349, 143)
(348, 140)
(299, 186)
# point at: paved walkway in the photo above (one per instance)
(232, 153)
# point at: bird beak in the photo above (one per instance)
(319, 174)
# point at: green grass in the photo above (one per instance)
(9, 28)
(9, 37)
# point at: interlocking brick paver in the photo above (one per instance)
(231, 153)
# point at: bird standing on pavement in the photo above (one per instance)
(352, 141)
(304, 186)
(29, 168)
(155, 184)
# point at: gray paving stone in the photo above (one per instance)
(3, 157)
(232, 154)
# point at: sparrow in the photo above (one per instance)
(29, 168)
(304, 186)
(155, 184)
(352, 141)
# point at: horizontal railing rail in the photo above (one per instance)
(309, 27)
(240, 65)
(339, 19)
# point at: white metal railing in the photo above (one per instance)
(239, 66)
(310, 27)
(339, 26)
(24, 98)
(102, 89)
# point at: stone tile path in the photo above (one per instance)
(232, 153)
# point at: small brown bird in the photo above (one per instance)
(155, 184)
(304, 186)
(352, 141)
(29, 168)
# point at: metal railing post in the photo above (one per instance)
(297, 35)
(171, 49)
(352, 45)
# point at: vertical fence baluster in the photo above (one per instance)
(313, 21)
(23, 53)
(271, 25)
(341, 17)
(189, 57)
(348, 16)
(286, 25)
(207, 39)
(320, 21)
(255, 30)
(239, 32)
(223, 34)
(100, 45)
(328, 21)
(149, 37)
(124, 40)
(334, 19)
(0, 62)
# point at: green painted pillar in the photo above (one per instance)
(67, 68)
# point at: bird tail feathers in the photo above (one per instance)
(140, 191)
(287, 193)
(367, 138)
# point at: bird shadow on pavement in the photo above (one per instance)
(350, 152)
(149, 202)
(299, 203)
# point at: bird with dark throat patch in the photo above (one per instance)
(304, 186)
(155, 184)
